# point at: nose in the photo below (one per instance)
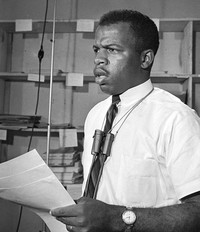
(101, 58)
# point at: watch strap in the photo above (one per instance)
(129, 228)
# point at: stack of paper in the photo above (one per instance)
(66, 164)
(13, 121)
(28, 181)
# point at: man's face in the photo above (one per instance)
(117, 65)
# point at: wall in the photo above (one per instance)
(72, 53)
(94, 8)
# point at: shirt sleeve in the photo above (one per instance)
(183, 159)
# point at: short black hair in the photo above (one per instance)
(145, 30)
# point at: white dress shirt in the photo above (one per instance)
(155, 156)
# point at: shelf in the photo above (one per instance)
(66, 26)
(156, 78)
(23, 77)
(61, 26)
(12, 133)
(169, 78)
(178, 25)
(28, 131)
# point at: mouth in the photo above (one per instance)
(100, 80)
(100, 76)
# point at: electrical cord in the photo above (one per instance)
(40, 57)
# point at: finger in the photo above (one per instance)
(67, 220)
(77, 227)
(69, 225)
(67, 211)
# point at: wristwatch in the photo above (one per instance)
(129, 218)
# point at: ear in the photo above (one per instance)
(147, 58)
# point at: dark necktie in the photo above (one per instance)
(111, 113)
(98, 161)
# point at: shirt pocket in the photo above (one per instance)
(137, 183)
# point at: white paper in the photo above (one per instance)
(35, 77)
(68, 137)
(74, 79)
(28, 181)
(23, 25)
(157, 22)
(85, 25)
(3, 134)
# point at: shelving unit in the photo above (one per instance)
(176, 69)
(185, 80)
(188, 27)
(184, 77)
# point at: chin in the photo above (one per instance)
(105, 90)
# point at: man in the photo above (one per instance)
(151, 179)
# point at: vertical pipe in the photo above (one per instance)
(51, 85)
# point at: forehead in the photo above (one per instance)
(114, 33)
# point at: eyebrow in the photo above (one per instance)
(107, 46)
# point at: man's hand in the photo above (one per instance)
(89, 215)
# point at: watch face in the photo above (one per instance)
(129, 217)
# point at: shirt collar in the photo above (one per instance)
(136, 93)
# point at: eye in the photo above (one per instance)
(112, 50)
(95, 49)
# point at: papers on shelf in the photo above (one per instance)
(74, 79)
(86, 25)
(68, 137)
(3, 134)
(28, 181)
(35, 77)
(23, 25)
(65, 162)
(18, 121)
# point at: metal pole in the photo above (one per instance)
(51, 85)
